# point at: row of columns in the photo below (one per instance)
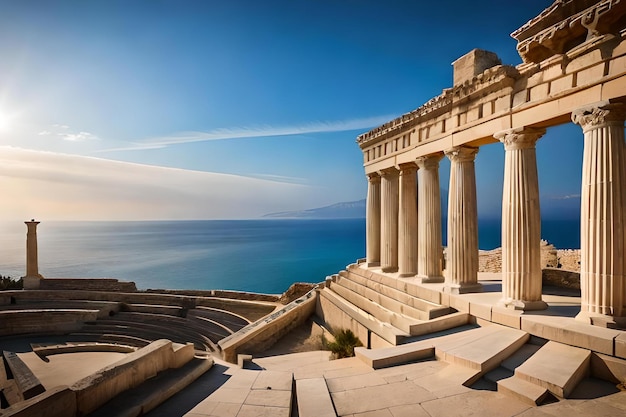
(404, 218)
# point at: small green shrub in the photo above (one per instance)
(8, 283)
(344, 344)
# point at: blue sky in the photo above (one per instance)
(231, 109)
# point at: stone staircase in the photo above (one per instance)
(389, 309)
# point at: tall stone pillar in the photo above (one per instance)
(521, 221)
(373, 220)
(462, 264)
(603, 214)
(407, 250)
(389, 223)
(430, 252)
(32, 278)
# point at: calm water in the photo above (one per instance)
(253, 255)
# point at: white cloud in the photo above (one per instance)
(50, 186)
(44, 133)
(564, 197)
(255, 132)
(78, 137)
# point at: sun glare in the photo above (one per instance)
(4, 121)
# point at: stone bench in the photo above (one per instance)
(49, 321)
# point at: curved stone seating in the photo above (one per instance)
(46, 321)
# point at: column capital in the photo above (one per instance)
(373, 177)
(386, 172)
(599, 114)
(407, 167)
(461, 154)
(428, 161)
(519, 137)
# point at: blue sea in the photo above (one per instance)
(249, 255)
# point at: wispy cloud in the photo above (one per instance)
(254, 132)
(64, 132)
(70, 187)
(78, 137)
(564, 197)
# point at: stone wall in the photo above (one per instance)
(262, 334)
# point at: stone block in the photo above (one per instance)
(482, 311)
(459, 303)
(608, 368)
(503, 104)
(571, 332)
(561, 84)
(506, 317)
(488, 108)
(522, 390)
(520, 97)
(614, 88)
(552, 72)
(473, 63)
(617, 66)
(590, 75)
(27, 383)
(620, 345)
(313, 398)
(584, 61)
(557, 367)
(539, 92)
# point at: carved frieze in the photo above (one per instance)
(565, 25)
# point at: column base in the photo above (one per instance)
(389, 269)
(32, 282)
(463, 288)
(523, 305)
(602, 320)
(407, 274)
(372, 264)
(431, 280)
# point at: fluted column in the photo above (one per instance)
(389, 220)
(462, 263)
(372, 216)
(430, 251)
(603, 217)
(521, 221)
(407, 233)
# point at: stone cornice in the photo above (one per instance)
(599, 115)
(564, 25)
(492, 79)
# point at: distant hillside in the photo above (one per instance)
(346, 210)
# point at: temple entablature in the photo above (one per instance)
(574, 69)
(500, 97)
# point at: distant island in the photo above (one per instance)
(345, 210)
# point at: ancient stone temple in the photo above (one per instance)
(573, 70)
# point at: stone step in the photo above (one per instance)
(403, 285)
(556, 367)
(482, 349)
(372, 307)
(27, 383)
(387, 289)
(520, 356)
(498, 374)
(140, 400)
(523, 390)
(377, 296)
(384, 330)
(313, 398)
(250, 392)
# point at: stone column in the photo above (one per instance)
(407, 250)
(32, 278)
(389, 223)
(603, 217)
(430, 252)
(462, 264)
(521, 221)
(373, 220)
